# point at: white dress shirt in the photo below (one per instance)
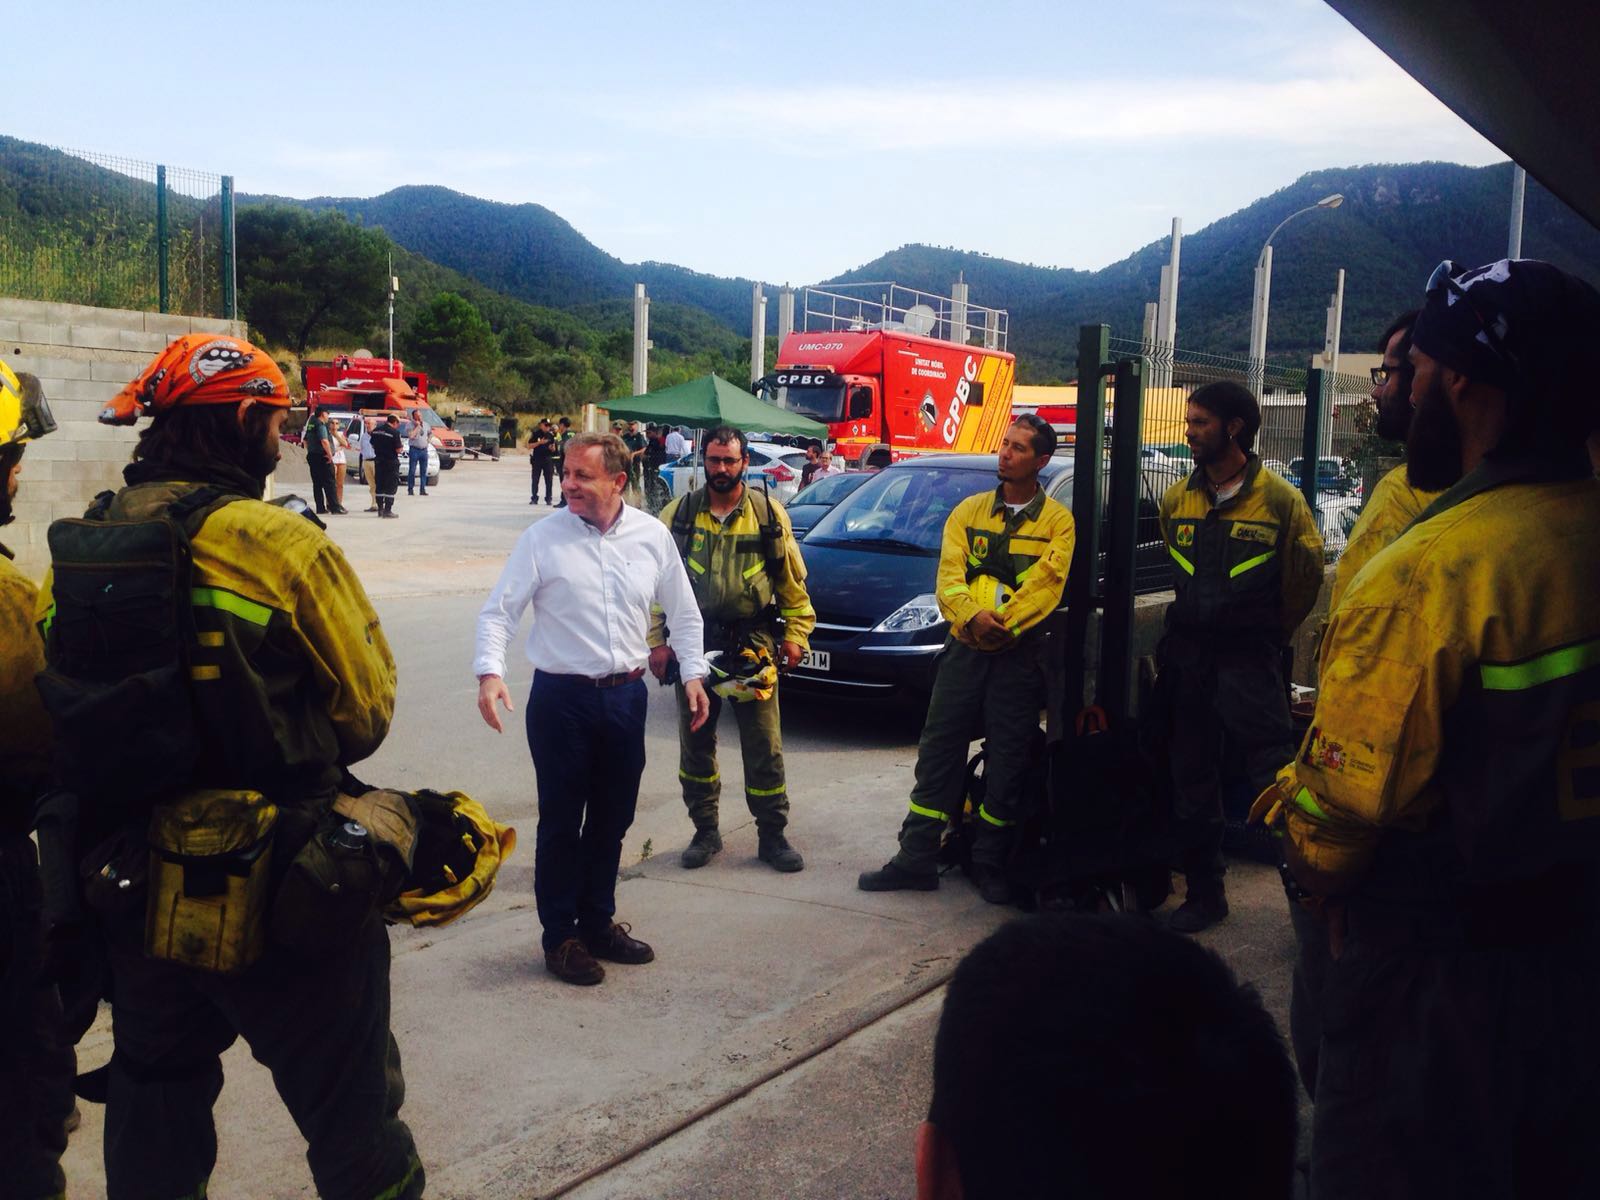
(591, 594)
(677, 445)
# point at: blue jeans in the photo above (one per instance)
(588, 755)
(419, 466)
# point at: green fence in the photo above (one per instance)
(96, 229)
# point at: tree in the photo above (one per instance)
(448, 332)
(302, 275)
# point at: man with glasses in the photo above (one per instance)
(1443, 815)
(1394, 503)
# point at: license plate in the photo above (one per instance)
(816, 660)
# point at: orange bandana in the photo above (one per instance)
(200, 368)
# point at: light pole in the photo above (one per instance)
(1258, 312)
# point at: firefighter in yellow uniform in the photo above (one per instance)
(750, 582)
(1443, 814)
(1247, 566)
(282, 676)
(1394, 502)
(1002, 570)
(36, 1066)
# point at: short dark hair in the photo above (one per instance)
(1111, 1052)
(393, 420)
(1403, 322)
(728, 435)
(1226, 400)
(1044, 437)
(564, 421)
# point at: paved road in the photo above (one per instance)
(518, 1085)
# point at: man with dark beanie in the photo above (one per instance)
(1443, 815)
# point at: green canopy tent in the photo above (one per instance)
(708, 402)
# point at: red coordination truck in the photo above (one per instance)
(891, 369)
(360, 383)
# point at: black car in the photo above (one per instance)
(812, 502)
(871, 564)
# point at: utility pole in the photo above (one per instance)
(1519, 186)
(641, 340)
(394, 286)
(758, 332)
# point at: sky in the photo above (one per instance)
(739, 140)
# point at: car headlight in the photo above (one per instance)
(919, 612)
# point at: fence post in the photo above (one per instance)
(1094, 350)
(1115, 679)
(1311, 441)
(161, 237)
(230, 282)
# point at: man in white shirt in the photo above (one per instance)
(677, 444)
(591, 573)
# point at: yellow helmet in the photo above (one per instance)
(990, 592)
(745, 674)
(24, 414)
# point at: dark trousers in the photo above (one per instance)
(386, 473)
(36, 1064)
(418, 466)
(543, 469)
(1229, 714)
(322, 493)
(588, 755)
(321, 1028)
(1450, 1070)
(1001, 695)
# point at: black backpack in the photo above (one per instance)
(118, 643)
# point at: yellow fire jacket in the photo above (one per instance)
(1252, 564)
(728, 570)
(293, 676)
(24, 726)
(1034, 559)
(1459, 714)
(1393, 505)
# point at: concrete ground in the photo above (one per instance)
(779, 1045)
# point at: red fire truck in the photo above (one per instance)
(887, 366)
(350, 383)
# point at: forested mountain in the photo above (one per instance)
(557, 308)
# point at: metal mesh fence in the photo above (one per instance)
(1346, 445)
(97, 229)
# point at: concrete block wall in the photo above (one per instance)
(83, 356)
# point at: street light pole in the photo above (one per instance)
(1263, 292)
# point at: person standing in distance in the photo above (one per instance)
(1247, 567)
(591, 575)
(417, 441)
(541, 448)
(991, 671)
(319, 461)
(750, 583)
(386, 464)
(558, 456)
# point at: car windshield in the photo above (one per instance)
(484, 425)
(430, 418)
(824, 404)
(901, 510)
(831, 489)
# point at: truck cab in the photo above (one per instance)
(348, 383)
(903, 371)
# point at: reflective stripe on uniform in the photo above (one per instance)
(210, 637)
(697, 568)
(777, 791)
(1557, 664)
(753, 568)
(205, 673)
(400, 1187)
(230, 602)
(805, 610)
(688, 778)
(958, 589)
(1181, 560)
(1307, 803)
(929, 812)
(1246, 565)
(992, 819)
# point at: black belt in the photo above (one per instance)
(600, 681)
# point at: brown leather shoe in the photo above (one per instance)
(614, 945)
(571, 962)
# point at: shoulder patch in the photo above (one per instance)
(1183, 533)
(980, 546)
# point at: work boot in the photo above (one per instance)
(991, 883)
(614, 945)
(1201, 909)
(892, 878)
(701, 847)
(571, 962)
(774, 850)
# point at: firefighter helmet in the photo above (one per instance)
(24, 414)
(747, 673)
(990, 592)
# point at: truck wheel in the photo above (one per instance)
(495, 454)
